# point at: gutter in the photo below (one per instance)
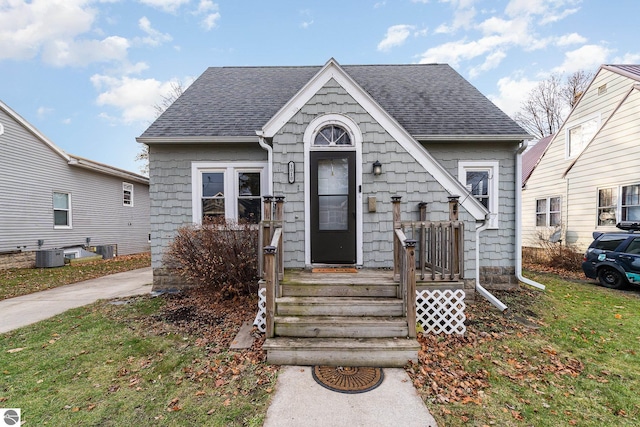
(269, 150)
(482, 291)
(519, 151)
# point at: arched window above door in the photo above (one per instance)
(332, 135)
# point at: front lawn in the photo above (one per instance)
(566, 356)
(146, 361)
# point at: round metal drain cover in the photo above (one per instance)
(348, 379)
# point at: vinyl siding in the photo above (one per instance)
(615, 155)
(30, 171)
(170, 185)
(402, 175)
(497, 245)
(547, 178)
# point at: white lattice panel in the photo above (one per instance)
(441, 311)
(261, 318)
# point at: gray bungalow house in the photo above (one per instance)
(376, 169)
(51, 200)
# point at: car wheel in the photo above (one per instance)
(611, 278)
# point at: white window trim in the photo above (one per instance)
(573, 125)
(231, 171)
(69, 215)
(618, 208)
(547, 212)
(493, 167)
(126, 186)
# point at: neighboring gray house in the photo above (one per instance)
(313, 135)
(588, 176)
(51, 199)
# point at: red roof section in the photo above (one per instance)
(532, 156)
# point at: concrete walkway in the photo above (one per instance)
(300, 401)
(28, 309)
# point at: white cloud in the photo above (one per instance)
(44, 111)
(491, 62)
(511, 93)
(569, 39)
(211, 12)
(627, 58)
(396, 36)
(554, 17)
(83, 52)
(166, 5)
(134, 97)
(25, 28)
(154, 37)
(66, 121)
(588, 57)
(379, 4)
(306, 24)
(463, 16)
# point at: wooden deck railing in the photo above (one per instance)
(440, 244)
(271, 260)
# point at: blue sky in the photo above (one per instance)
(87, 73)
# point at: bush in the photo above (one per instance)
(553, 254)
(219, 255)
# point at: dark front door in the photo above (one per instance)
(333, 207)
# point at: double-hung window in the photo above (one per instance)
(617, 204)
(548, 212)
(61, 210)
(230, 190)
(481, 180)
(127, 194)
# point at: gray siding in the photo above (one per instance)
(402, 176)
(30, 171)
(497, 246)
(170, 185)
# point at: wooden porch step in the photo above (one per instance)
(340, 327)
(376, 352)
(338, 306)
(383, 290)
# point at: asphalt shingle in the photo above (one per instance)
(429, 99)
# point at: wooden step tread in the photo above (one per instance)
(371, 344)
(340, 320)
(338, 300)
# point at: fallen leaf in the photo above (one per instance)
(618, 316)
(226, 402)
(15, 350)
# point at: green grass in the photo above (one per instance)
(114, 365)
(22, 281)
(581, 367)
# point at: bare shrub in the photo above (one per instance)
(553, 254)
(220, 256)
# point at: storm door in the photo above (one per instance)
(333, 207)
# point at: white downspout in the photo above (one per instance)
(269, 149)
(519, 151)
(482, 291)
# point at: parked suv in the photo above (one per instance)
(614, 258)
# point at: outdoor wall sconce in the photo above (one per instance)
(40, 243)
(88, 240)
(377, 168)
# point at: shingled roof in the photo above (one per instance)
(428, 100)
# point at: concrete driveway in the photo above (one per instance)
(28, 309)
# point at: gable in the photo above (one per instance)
(332, 72)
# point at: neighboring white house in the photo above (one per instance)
(51, 199)
(588, 178)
